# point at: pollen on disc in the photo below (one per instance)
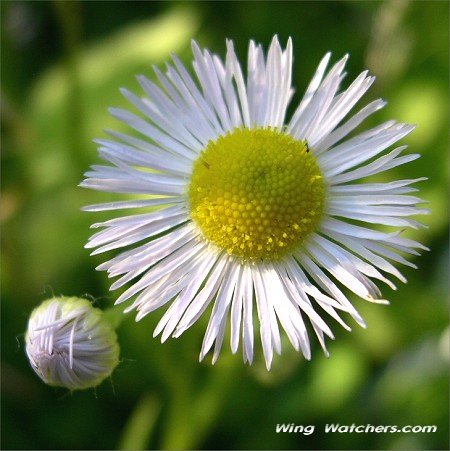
(258, 193)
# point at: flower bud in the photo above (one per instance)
(70, 343)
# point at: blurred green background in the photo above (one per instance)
(62, 66)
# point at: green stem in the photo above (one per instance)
(193, 412)
(208, 404)
(69, 17)
(138, 430)
(177, 428)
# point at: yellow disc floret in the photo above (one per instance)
(258, 193)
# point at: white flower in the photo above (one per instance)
(70, 344)
(252, 209)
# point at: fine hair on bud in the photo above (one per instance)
(71, 344)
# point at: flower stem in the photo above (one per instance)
(138, 430)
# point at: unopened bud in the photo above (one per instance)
(71, 344)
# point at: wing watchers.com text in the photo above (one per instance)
(336, 428)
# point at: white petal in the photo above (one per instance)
(221, 305)
(209, 81)
(247, 316)
(265, 326)
(331, 139)
(197, 275)
(204, 297)
(236, 71)
(356, 246)
(310, 91)
(236, 310)
(397, 187)
(119, 205)
(329, 286)
(340, 108)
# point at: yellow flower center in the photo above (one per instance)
(258, 193)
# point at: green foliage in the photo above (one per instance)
(62, 65)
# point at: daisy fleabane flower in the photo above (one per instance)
(252, 208)
(71, 344)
